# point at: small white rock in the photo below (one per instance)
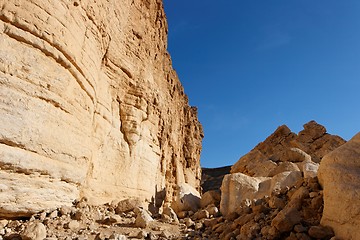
(73, 225)
(54, 214)
(34, 231)
(143, 218)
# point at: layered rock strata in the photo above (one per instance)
(90, 106)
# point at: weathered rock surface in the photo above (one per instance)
(188, 199)
(292, 213)
(210, 197)
(96, 223)
(143, 218)
(238, 188)
(273, 191)
(90, 106)
(310, 144)
(339, 174)
(34, 231)
(278, 163)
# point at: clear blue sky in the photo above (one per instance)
(253, 65)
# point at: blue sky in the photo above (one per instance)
(251, 66)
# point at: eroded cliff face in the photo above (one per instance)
(90, 105)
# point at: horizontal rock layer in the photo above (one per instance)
(90, 105)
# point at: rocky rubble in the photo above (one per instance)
(277, 163)
(83, 221)
(273, 192)
(293, 213)
(310, 144)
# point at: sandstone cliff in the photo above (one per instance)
(90, 105)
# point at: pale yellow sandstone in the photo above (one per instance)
(90, 105)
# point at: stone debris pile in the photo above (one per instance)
(118, 221)
(293, 213)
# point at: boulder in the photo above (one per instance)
(286, 219)
(127, 205)
(312, 131)
(309, 168)
(168, 211)
(210, 197)
(339, 175)
(238, 187)
(34, 231)
(321, 232)
(277, 202)
(310, 145)
(297, 198)
(284, 180)
(73, 225)
(284, 167)
(201, 214)
(291, 154)
(213, 210)
(143, 218)
(255, 163)
(187, 199)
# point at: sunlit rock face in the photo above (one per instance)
(284, 146)
(90, 105)
(339, 174)
(277, 164)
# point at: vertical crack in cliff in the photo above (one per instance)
(104, 58)
(122, 121)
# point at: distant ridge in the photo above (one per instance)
(211, 178)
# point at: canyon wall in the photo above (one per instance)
(90, 105)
